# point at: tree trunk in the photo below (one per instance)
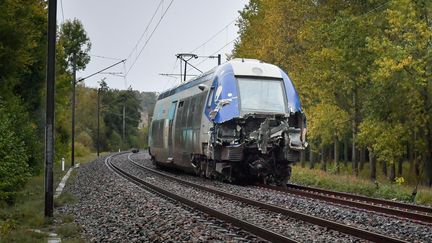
(428, 167)
(346, 152)
(302, 158)
(417, 168)
(354, 158)
(362, 157)
(392, 175)
(323, 159)
(400, 164)
(336, 154)
(428, 109)
(384, 167)
(311, 157)
(428, 155)
(411, 155)
(354, 131)
(372, 164)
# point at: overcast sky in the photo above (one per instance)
(115, 26)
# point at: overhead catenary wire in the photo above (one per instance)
(100, 71)
(205, 59)
(201, 45)
(214, 36)
(148, 39)
(175, 78)
(105, 57)
(145, 30)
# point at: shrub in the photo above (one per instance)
(81, 150)
(14, 168)
(85, 139)
(115, 141)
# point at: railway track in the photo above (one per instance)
(254, 229)
(263, 233)
(419, 214)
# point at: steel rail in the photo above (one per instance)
(371, 204)
(360, 233)
(252, 228)
(400, 205)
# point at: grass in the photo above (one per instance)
(90, 157)
(18, 221)
(347, 183)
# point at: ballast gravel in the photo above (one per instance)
(390, 226)
(111, 209)
(292, 228)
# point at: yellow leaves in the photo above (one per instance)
(399, 180)
(385, 139)
(326, 121)
(390, 66)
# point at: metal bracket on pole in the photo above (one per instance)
(186, 57)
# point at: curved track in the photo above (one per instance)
(360, 233)
(256, 230)
(402, 210)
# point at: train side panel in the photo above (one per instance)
(176, 126)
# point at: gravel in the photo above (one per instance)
(295, 229)
(109, 208)
(390, 226)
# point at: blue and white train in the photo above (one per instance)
(239, 121)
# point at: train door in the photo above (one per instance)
(171, 116)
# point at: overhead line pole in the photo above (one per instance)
(49, 122)
(99, 90)
(73, 101)
(98, 109)
(73, 112)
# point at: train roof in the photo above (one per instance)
(190, 83)
(240, 67)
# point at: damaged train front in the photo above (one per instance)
(258, 130)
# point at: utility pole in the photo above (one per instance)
(124, 122)
(219, 57)
(73, 111)
(98, 109)
(49, 122)
(73, 100)
(98, 116)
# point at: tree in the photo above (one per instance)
(76, 44)
(404, 62)
(328, 125)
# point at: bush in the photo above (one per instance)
(26, 132)
(14, 158)
(85, 139)
(81, 150)
(115, 141)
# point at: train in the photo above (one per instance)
(242, 121)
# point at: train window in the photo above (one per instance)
(181, 104)
(264, 95)
(210, 97)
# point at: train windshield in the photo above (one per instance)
(261, 95)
